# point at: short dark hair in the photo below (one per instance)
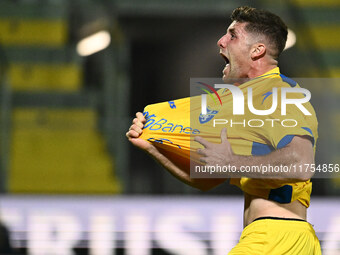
(265, 23)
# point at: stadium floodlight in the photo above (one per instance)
(94, 43)
(291, 39)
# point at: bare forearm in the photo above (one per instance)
(184, 174)
(169, 166)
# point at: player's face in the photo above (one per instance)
(235, 49)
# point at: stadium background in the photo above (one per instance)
(70, 182)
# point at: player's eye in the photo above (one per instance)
(232, 36)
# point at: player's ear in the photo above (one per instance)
(258, 51)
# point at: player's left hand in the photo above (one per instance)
(216, 154)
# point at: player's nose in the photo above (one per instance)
(222, 42)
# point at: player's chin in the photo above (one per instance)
(225, 78)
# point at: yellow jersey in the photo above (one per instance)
(171, 126)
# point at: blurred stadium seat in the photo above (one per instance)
(321, 21)
(59, 151)
(54, 148)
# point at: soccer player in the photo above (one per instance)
(275, 208)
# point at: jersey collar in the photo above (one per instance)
(273, 71)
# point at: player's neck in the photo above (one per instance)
(260, 70)
(261, 66)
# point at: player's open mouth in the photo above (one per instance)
(225, 58)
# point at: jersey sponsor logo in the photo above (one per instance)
(166, 126)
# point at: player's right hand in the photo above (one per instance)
(135, 131)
